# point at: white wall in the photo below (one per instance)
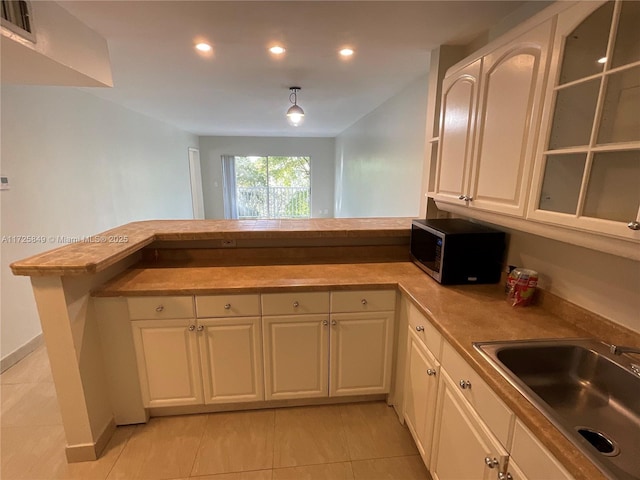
(78, 165)
(379, 158)
(605, 284)
(321, 151)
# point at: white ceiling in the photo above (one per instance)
(241, 89)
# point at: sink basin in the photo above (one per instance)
(591, 395)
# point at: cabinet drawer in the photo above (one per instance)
(488, 405)
(228, 305)
(363, 301)
(295, 303)
(425, 331)
(149, 308)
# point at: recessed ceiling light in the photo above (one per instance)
(277, 50)
(602, 60)
(204, 47)
(346, 52)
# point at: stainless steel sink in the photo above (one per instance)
(591, 395)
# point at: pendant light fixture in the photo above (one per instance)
(295, 114)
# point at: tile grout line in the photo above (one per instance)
(273, 447)
(344, 433)
(195, 457)
(121, 452)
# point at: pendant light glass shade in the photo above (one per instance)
(295, 114)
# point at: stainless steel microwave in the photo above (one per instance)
(456, 251)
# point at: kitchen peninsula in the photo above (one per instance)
(82, 291)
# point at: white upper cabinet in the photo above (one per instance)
(508, 120)
(489, 125)
(457, 127)
(588, 173)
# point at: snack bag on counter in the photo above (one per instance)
(521, 284)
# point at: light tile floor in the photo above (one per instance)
(361, 441)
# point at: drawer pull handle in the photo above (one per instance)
(419, 328)
(431, 372)
(465, 384)
(227, 306)
(192, 328)
(200, 328)
(363, 301)
(296, 304)
(491, 462)
(325, 322)
(159, 308)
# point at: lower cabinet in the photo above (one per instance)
(168, 362)
(231, 359)
(421, 383)
(360, 353)
(191, 362)
(530, 460)
(296, 356)
(308, 356)
(463, 446)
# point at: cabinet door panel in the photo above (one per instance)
(420, 394)
(461, 441)
(295, 356)
(533, 460)
(459, 99)
(361, 350)
(168, 363)
(231, 359)
(512, 84)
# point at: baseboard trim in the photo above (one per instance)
(91, 451)
(17, 355)
(227, 407)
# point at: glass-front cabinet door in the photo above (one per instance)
(588, 171)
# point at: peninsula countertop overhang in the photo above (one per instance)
(96, 253)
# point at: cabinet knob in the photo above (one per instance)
(227, 306)
(502, 476)
(465, 384)
(192, 328)
(159, 308)
(461, 197)
(468, 199)
(200, 328)
(363, 301)
(333, 322)
(491, 462)
(419, 328)
(325, 322)
(431, 372)
(296, 304)
(634, 225)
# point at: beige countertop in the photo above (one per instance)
(97, 252)
(463, 314)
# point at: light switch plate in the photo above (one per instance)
(4, 183)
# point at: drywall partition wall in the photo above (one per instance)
(321, 151)
(379, 158)
(78, 165)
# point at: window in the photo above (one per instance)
(266, 187)
(16, 14)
